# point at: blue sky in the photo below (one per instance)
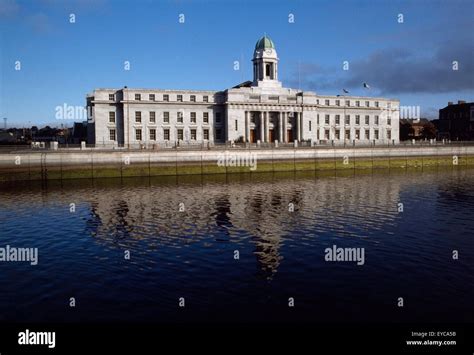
(61, 61)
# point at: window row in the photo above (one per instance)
(166, 117)
(165, 97)
(166, 134)
(358, 134)
(348, 103)
(357, 119)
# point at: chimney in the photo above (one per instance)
(461, 102)
(450, 103)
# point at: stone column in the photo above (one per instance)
(247, 126)
(262, 128)
(267, 126)
(297, 125)
(280, 127)
(301, 125)
(285, 133)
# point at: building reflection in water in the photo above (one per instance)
(260, 210)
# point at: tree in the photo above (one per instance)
(428, 131)
(406, 130)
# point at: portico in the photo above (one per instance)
(270, 126)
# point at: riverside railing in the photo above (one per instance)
(65, 163)
(228, 145)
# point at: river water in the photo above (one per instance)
(241, 248)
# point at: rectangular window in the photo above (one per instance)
(310, 125)
(357, 103)
(338, 119)
(193, 117)
(152, 117)
(180, 134)
(317, 134)
(376, 119)
(338, 102)
(193, 134)
(389, 134)
(166, 97)
(138, 134)
(138, 116)
(218, 133)
(367, 134)
(179, 98)
(112, 117)
(317, 118)
(166, 134)
(367, 119)
(357, 134)
(180, 117)
(357, 119)
(376, 104)
(326, 134)
(153, 134)
(367, 104)
(348, 119)
(326, 119)
(112, 135)
(348, 103)
(166, 117)
(205, 117)
(348, 134)
(205, 98)
(218, 117)
(192, 98)
(376, 134)
(326, 102)
(111, 97)
(389, 121)
(151, 97)
(206, 134)
(317, 101)
(338, 134)
(138, 97)
(236, 125)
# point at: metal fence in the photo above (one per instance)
(47, 146)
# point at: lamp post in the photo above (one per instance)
(128, 117)
(344, 118)
(300, 123)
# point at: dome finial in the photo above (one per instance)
(264, 42)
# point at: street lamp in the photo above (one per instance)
(344, 118)
(128, 117)
(300, 120)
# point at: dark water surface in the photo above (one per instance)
(190, 254)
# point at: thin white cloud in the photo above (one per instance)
(8, 8)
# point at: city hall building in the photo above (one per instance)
(255, 111)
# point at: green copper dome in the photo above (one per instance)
(264, 43)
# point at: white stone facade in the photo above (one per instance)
(256, 111)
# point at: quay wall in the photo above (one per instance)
(67, 164)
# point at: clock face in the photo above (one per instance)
(268, 51)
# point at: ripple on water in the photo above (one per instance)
(281, 250)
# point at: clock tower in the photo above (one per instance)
(265, 64)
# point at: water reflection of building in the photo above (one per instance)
(256, 212)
